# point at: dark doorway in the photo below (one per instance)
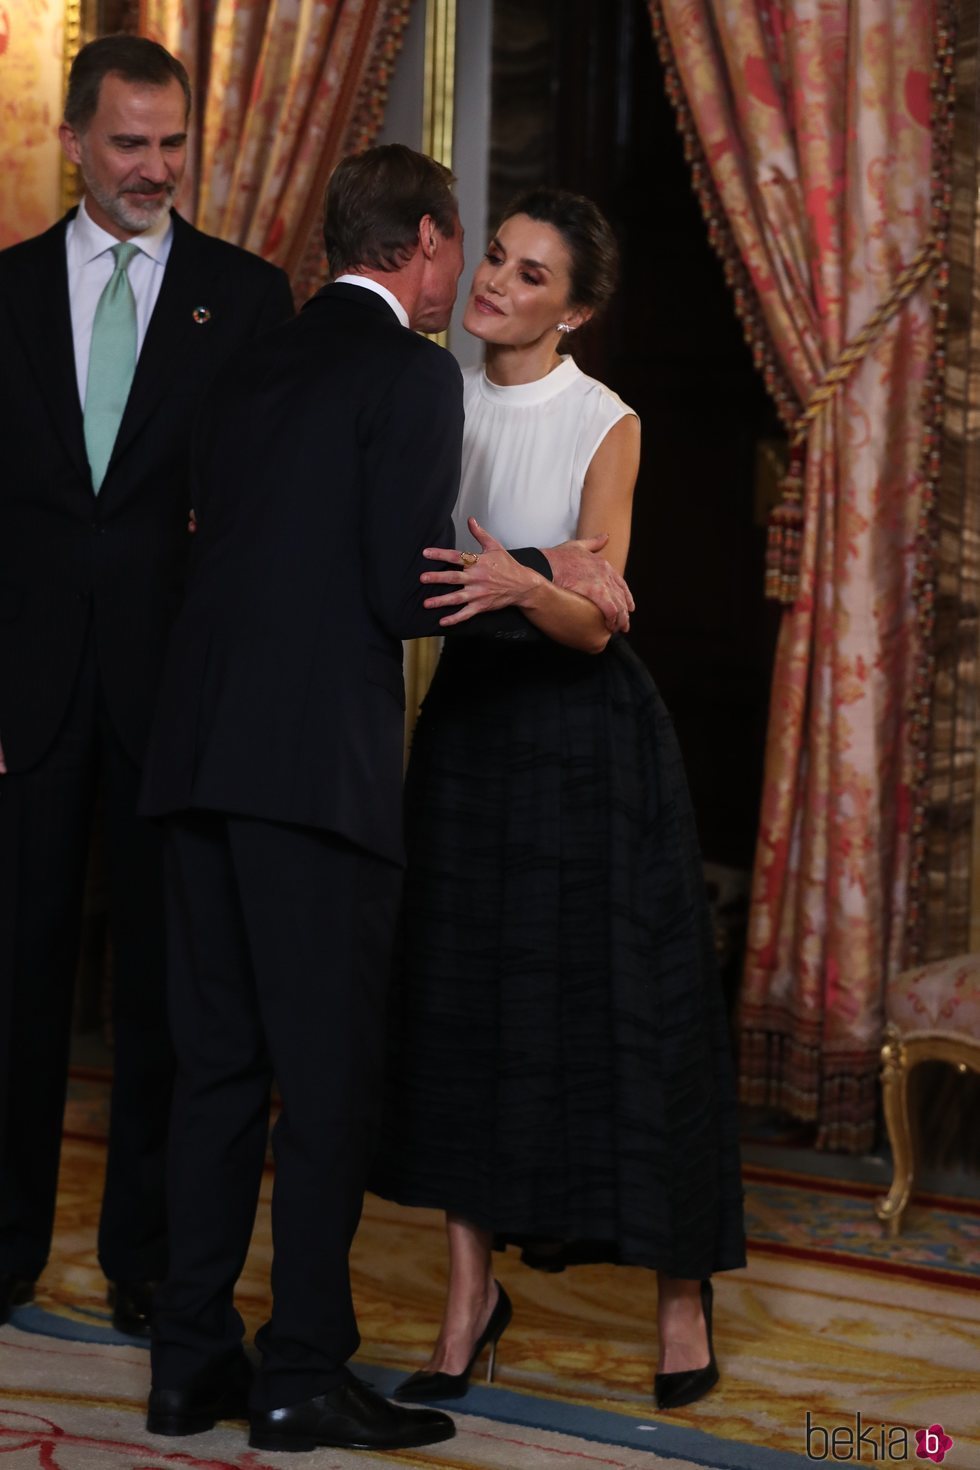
(579, 101)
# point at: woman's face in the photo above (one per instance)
(520, 288)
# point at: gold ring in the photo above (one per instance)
(469, 558)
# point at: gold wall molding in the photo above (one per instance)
(439, 92)
(438, 102)
(967, 238)
(75, 25)
(947, 889)
(440, 80)
(948, 900)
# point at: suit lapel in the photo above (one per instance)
(168, 336)
(42, 317)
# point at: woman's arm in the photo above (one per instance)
(563, 616)
(607, 495)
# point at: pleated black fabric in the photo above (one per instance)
(560, 1062)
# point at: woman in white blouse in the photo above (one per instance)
(561, 1075)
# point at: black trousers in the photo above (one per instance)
(279, 946)
(45, 827)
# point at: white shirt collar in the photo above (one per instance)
(370, 285)
(90, 239)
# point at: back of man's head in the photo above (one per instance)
(374, 203)
(134, 58)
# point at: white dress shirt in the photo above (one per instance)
(90, 265)
(380, 290)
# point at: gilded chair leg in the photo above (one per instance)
(894, 1081)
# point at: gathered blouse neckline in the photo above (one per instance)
(526, 394)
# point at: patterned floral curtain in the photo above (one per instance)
(283, 89)
(809, 127)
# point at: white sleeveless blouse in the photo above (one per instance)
(526, 450)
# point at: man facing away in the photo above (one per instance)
(113, 324)
(326, 459)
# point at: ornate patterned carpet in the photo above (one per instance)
(830, 1320)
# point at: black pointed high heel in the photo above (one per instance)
(423, 1387)
(674, 1390)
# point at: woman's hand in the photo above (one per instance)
(481, 583)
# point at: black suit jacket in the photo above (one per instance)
(67, 555)
(325, 460)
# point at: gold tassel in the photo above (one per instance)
(786, 521)
(785, 538)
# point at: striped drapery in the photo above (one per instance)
(283, 89)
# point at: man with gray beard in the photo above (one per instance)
(113, 324)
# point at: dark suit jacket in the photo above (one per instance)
(67, 555)
(326, 458)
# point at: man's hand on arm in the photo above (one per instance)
(578, 567)
(494, 580)
(482, 583)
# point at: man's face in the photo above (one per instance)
(131, 154)
(441, 277)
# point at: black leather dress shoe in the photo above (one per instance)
(348, 1417)
(15, 1291)
(221, 1394)
(132, 1304)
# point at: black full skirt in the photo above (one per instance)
(560, 1065)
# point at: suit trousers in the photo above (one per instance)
(279, 949)
(46, 816)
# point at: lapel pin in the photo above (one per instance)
(201, 314)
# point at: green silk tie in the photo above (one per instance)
(111, 364)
